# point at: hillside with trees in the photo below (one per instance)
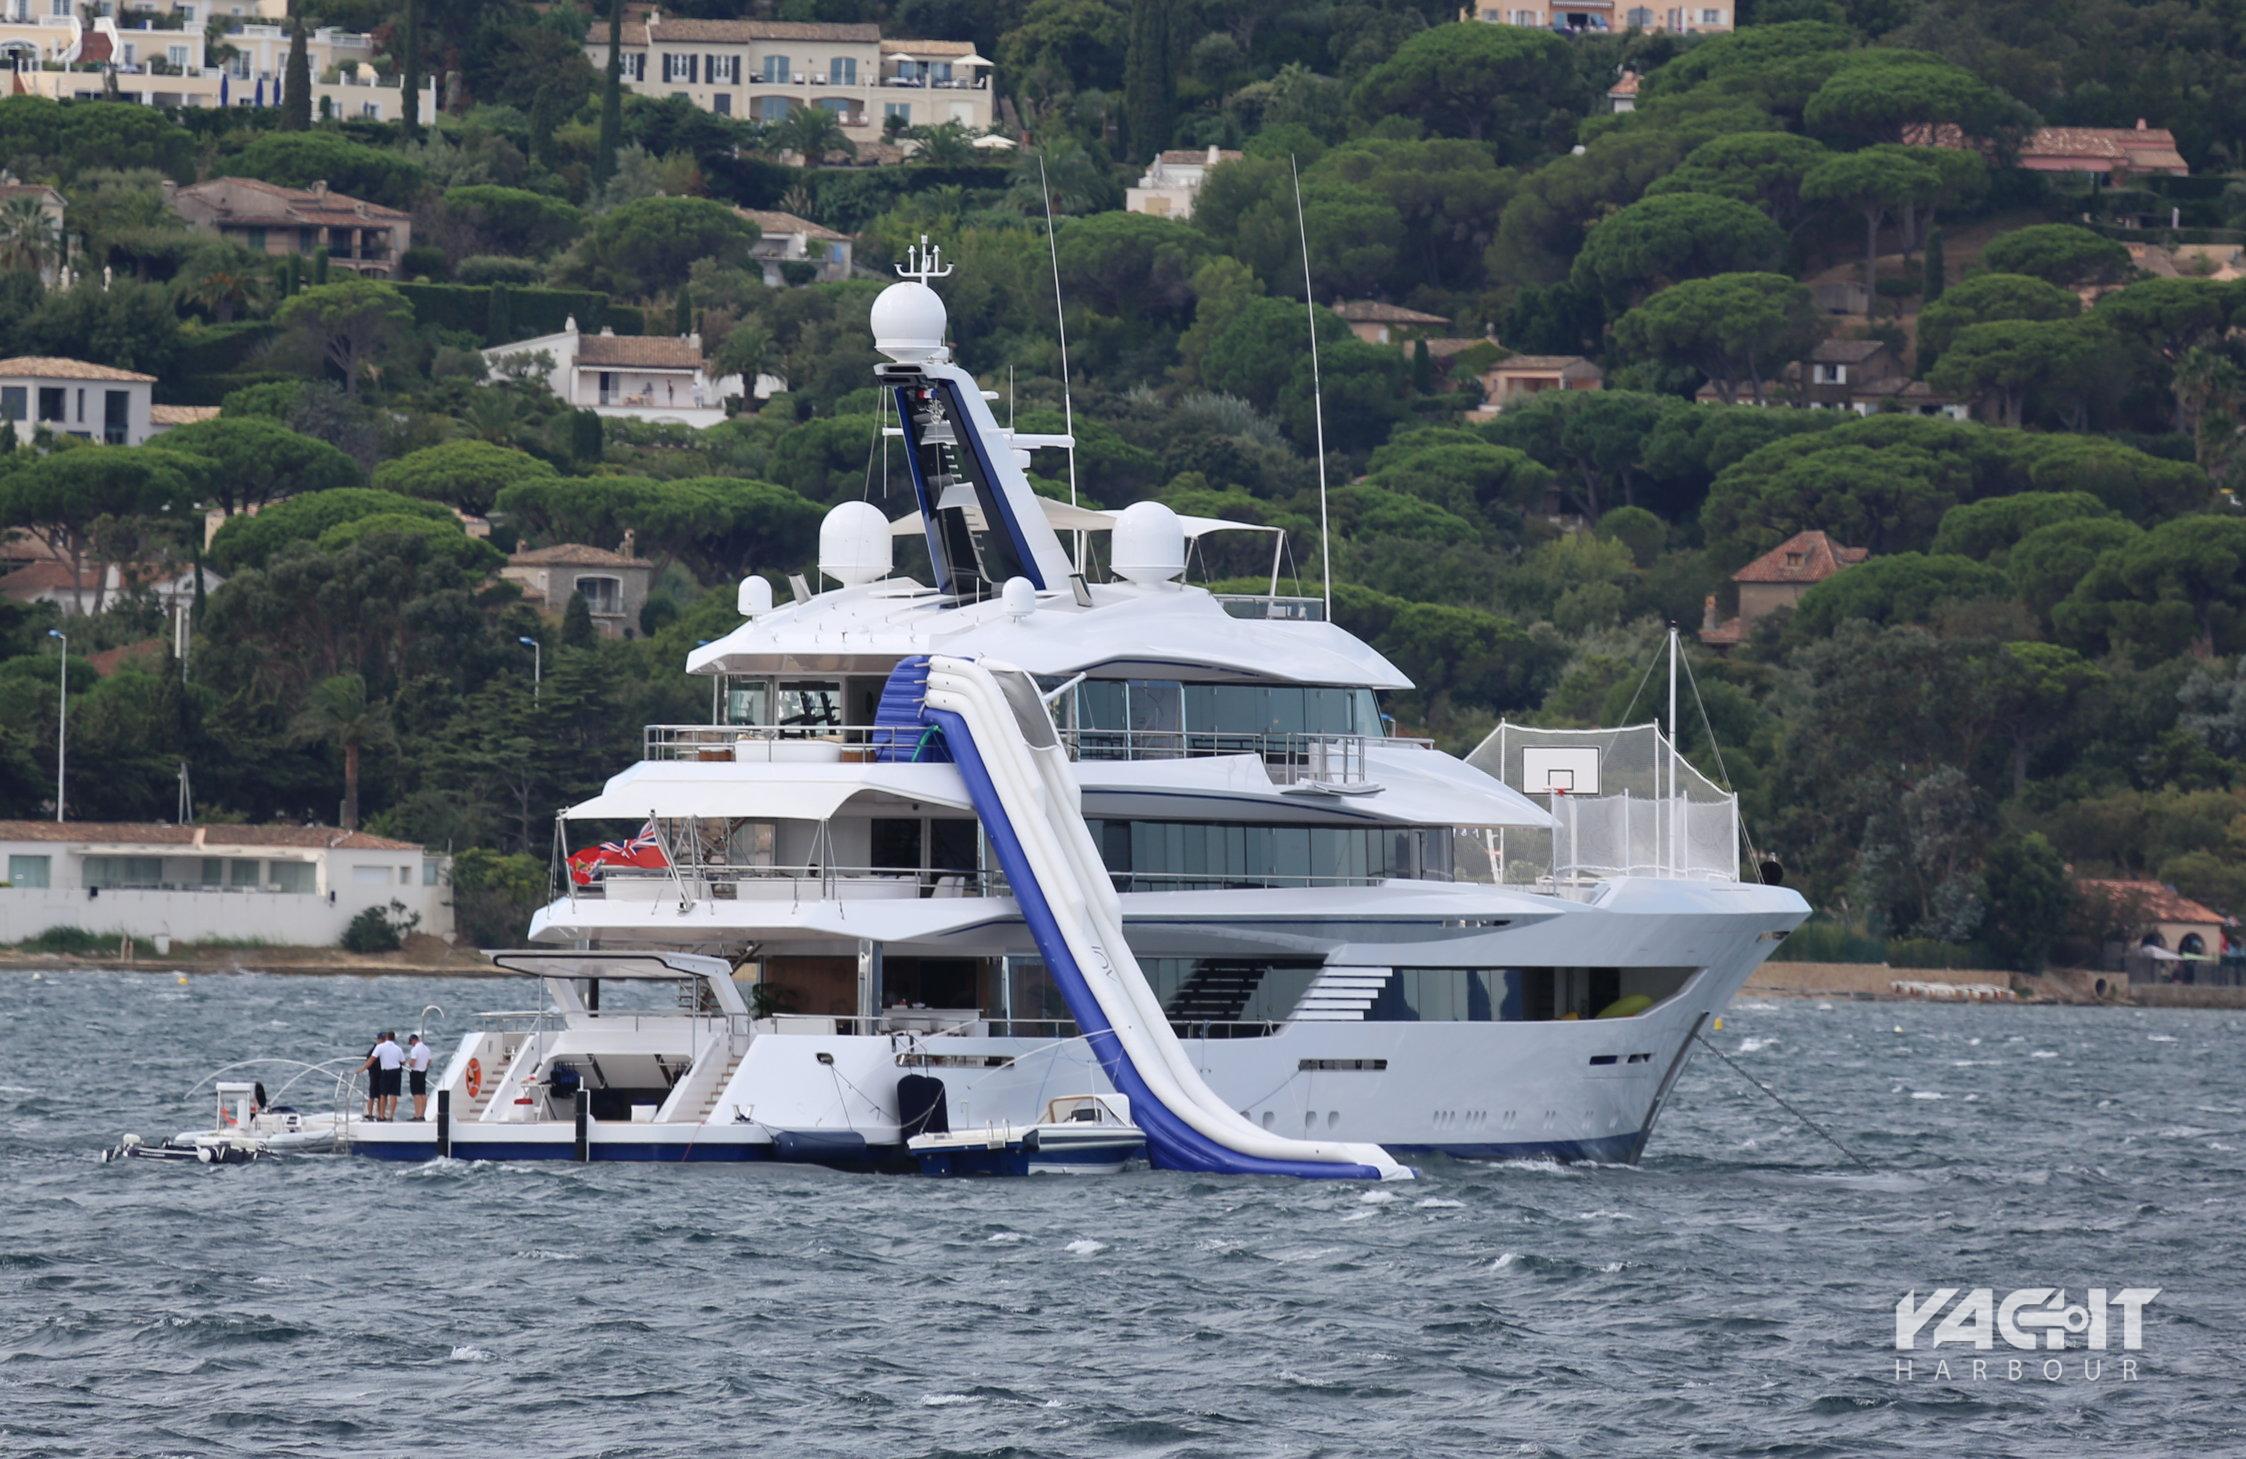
(2039, 665)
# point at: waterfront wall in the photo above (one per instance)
(283, 919)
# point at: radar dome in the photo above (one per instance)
(1018, 598)
(754, 598)
(1149, 544)
(908, 322)
(854, 544)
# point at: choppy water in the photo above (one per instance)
(1735, 1294)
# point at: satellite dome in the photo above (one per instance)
(908, 322)
(1149, 544)
(854, 544)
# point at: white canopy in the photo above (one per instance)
(783, 791)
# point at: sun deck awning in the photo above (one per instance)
(672, 791)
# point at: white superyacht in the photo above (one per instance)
(963, 867)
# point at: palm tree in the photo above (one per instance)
(948, 145)
(28, 237)
(338, 712)
(815, 133)
(223, 289)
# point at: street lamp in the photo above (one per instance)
(62, 715)
(537, 662)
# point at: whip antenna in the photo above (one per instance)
(1060, 321)
(1317, 401)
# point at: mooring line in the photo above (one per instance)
(1781, 1099)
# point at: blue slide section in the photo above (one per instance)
(1172, 1143)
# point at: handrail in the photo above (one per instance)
(1310, 749)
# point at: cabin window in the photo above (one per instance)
(1157, 716)
(241, 872)
(1520, 995)
(124, 871)
(1193, 855)
(30, 872)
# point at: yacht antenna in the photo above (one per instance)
(1060, 320)
(924, 262)
(1317, 402)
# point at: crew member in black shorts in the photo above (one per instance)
(417, 1068)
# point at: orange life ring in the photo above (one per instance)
(475, 1078)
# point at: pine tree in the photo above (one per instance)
(410, 69)
(611, 99)
(296, 100)
(1149, 95)
(577, 623)
(1937, 268)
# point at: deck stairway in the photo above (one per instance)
(1214, 993)
(1342, 995)
(701, 1116)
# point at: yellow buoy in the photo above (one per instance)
(1719, 1024)
(183, 980)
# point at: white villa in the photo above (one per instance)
(785, 238)
(74, 398)
(288, 885)
(762, 70)
(639, 377)
(56, 50)
(1169, 185)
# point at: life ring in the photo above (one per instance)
(475, 1078)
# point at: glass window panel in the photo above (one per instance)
(1290, 852)
(1201, 709)
(1157, 710)
(29, 871)
(292, 876)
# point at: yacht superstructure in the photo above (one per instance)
(949, 850)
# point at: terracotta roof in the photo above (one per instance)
(575, 554)
(156, 833)
(110, 660)
(293, 204)
(1198, 156)
(741, 32)
(27, 189)
(1443, 347)
(1543, 362)
(1376, 311)
(770, 221)
(27, 583)
(2051, 149)
(1627, 86)
(2156, 901)
(934, 50)
(181, 415)
(1805, 557)
(53, 367)
(1845, 351)
(640, 351)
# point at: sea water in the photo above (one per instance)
(1735, 1293)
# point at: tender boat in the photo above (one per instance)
(1079, 1134)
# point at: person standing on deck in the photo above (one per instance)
(389, 1060)
(371, 1067)
(417, 1066)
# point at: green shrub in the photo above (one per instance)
(380, 929)
(75, 941)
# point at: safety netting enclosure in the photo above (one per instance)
(1623, 803)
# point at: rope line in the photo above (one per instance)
(1736, 1068)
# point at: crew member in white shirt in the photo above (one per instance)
(417, 1068)
(389, 1060)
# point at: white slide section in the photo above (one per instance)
(1021, 752)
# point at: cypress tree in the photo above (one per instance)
(319, 266)
(1423, 367)
(296, 100)
(410, 70)
(684, 306)
(1937, 268)
(1149, 95)
(611, 99)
